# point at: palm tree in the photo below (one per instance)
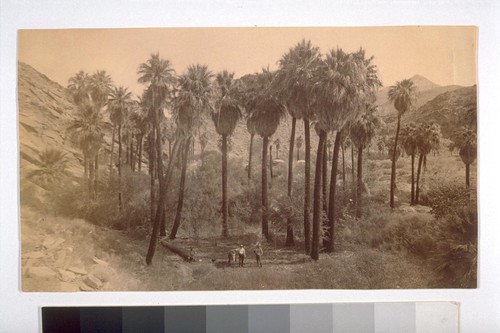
(428, 139)
(120, 102)
(141, 117)
(225, 118)
(465, 141)
(100, 87)
(299, 143)
(403, 95)
(344, 83)
(266, 113)
(252, 130)
(86, 130)
(362, 131)
(294, 80)
(158, 74)
(191, 104)
(277, 144)
(409, 144)
(51, 167)
(79, 87)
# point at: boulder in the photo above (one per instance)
(77, 270)
(33, 255)
(83, 286)
(92, 281)
(66, 275)
(52, 242)
(41, 272)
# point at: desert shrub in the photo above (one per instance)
(410, 233)
(455, 253)
(445, 199)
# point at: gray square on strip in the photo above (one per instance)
(143, 319)
(269, 318)
(227, 319)
(185, 319)
(395, 318)
(315, 318)
(353, 317)
(437, 317)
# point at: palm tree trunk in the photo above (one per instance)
(343, 166)
(265, 226)
(159, 215)
(330, 234)
(96, 173)
(120, 167)
(250, 157)
(91, 179)
(182, 188)
(152, 163)
(290, 241)
(298, 153)
(307, 187)
(324, 185)
(412, 200)
(271, 164)
(225, 212)
(317, 197)
(139, 158)
(419, 169)
(111, 154)
(393, 166)
(136, 153)
(353, 178)
(360, 181)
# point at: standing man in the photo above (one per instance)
(241, 255)
(258, 254)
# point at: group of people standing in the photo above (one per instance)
(242, 254)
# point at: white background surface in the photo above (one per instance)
(480, 308)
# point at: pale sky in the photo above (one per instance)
(444, 55)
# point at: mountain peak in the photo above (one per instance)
(423, 83)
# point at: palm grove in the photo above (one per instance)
(331, 95)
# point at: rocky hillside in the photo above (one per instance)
(426, 91)
(45, 111)
(450, 110)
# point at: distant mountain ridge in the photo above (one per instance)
(426, 91)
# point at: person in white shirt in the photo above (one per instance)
(241, 256)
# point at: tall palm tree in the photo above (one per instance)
(120, 103)
(101, 85)
(87, 131)
(191, 105)
(428, 139)
(362, 132)
(409, 144)
(158, 75)
(294, 80)
(465, 140)
(403, 95)
(252, 130)
(79, 87)
(344, 83)
(266, 112)
(225, 117)
(277, 144)
(299, 143)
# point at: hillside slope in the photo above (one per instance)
(426, 91)
(45, 111)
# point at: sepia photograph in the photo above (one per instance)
(179, 159)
